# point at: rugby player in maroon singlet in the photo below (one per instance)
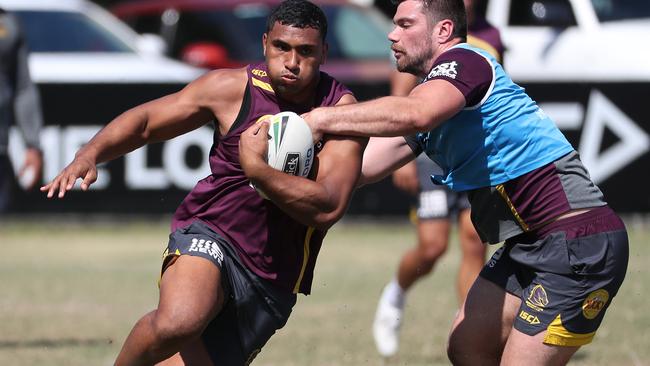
(235, 262)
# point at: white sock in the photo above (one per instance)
(394, 294)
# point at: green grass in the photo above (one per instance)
(69, 294)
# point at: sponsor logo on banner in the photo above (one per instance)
(537, 299)
(594, 303)
(208, 247)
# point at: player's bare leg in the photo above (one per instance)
(530, 350)
(190, 296)
(473, 255)
(482, 325)
(416, 263)
(192, 354)
(433, 236)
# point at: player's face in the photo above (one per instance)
(293, 56)
(411, 38)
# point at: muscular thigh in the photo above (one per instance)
(191, 292)
(253, 309)
(483, 323)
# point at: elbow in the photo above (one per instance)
(420, 124)
(140, 128)
(325, 221)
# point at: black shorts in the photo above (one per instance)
(254, 308)
(566, 274)
(436, 201)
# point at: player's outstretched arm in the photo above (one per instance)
(320, 201)
(158, 120)
(427, 106)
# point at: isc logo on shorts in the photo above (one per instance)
(530, 318)
(208, 247)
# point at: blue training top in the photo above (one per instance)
(502, 137)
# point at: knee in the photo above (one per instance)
(464, 349)
(430, 250)
(170, 328)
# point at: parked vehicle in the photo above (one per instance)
(89, 67)
(584, 62)
(228, 33)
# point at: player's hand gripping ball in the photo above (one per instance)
(290, 149)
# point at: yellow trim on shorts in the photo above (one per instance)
(558, 335)
(165, 255)
(260, 84)
(305, 259)
(502, 191)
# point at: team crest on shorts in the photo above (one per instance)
(594, 303)
(537, 299)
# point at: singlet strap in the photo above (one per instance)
(244, 110)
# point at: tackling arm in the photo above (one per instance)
(428, 105)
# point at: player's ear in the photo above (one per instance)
(264, 37)
(444, 30)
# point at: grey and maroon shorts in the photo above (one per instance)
(565, 273)
(254, 308)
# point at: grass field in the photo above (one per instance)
(70, 292)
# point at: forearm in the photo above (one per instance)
(306, 201)
(425, 108)
(124, 134)
(387, 116)
(382, 156)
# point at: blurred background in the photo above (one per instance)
(583, 61)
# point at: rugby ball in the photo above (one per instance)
(290, 146)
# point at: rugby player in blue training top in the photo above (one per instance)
(544, 293)
(235, 262)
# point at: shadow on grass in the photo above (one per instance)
(54, 343)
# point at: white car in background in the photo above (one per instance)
(78, 41)
(586, 64)
(89, 68)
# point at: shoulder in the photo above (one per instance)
(460, 63)
(464, 56)
(333, 92)
(222, 84)
(225, 78)
(467, 70)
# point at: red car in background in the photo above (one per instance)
(228, 33)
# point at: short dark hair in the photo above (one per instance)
(453, 10)
(299, 14)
